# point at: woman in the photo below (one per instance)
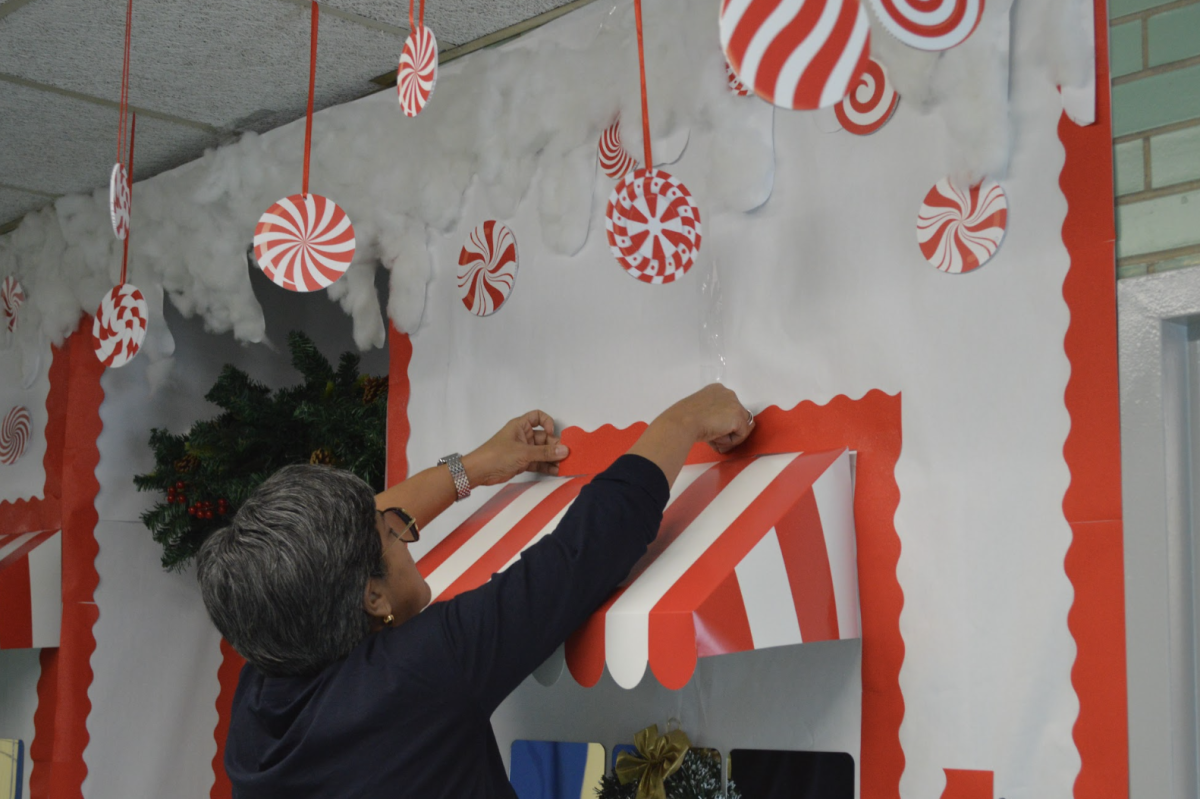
(352, 687)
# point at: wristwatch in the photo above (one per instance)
(462, 486)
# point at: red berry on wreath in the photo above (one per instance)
(181, 499)
(192, 511)
(179, 486)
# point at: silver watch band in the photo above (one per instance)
(462, 486)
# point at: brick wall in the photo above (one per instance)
(1156, 129)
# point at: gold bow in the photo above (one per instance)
(657, 758)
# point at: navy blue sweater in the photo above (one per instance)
(407, 712)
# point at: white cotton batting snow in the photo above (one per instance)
(524, 118)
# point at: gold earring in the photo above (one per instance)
(388, 621)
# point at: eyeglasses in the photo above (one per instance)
(400, 526)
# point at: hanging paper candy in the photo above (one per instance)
(929, 24)
(487, 268)
(653, 226)
(870, 103)
(734, 82)
(798, 54)
(305, 242)
(119, 180)
(615, 160)
(417, 75)
(12, 297)
(960, 231)
(14, 434)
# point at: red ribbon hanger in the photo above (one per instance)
(129, 181)
(637, 13)
(411, 23)
(123, 105)
(312, 88)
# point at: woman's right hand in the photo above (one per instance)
(713, 415)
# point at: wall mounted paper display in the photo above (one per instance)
(615, 160)
(803, 62)
(304, 242)
(487, 268)
(653, 226)
(417, 75)
(119, 201)
(120, 325)
(735, 83)
(12, 297)
(929, 24)
(15, 431)
(752, 553)
(960, 231)
(781, 774)
(870, 104)
(12, 766)
(556, 769)
(31, 587)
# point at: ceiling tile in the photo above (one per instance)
(15, 204)
(453, 21)
(232, 64)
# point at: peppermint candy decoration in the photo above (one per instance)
(735, 83)
(929, 24)
(870, 103)
(119, 200)
(653, 226)
(120, 325)
(14, 434)
(487, 268)
(798, 54)
(418, 70)
(12, 297)
(960, 231)
(304, 243)
(615, 160)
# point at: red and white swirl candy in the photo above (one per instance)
(119, 200)
(304, 243)
(734, 82)
(15, 431)
(799, 54)
(418, 70)
(615, 160)
(12, 297)
(959, 231)
(653, 226)
(487, 268)
(929, 24)
(870, 103)
(120, 325)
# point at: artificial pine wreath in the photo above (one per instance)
(335, 417)
(698, 775)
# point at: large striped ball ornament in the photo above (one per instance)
(304, 242)
(120, 325)
(797, 54)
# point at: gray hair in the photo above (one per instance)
(284, 582)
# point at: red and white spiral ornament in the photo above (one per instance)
(615, 160)
(653, 226)
(870, 103)
(418, 71)
(15, 432)
(304, 243)
(929, 24)
(797, 54)
(120, 325)
(487, 268)
(12, 297)
(959, 231)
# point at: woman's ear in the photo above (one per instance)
(375, 601)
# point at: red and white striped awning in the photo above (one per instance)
(30, 589)
(752, 553)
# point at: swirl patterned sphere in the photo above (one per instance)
(304, 243)
(417, 75)
(798, 54)
(653, 226)
(615, 160)
(120, 325)
(734, 82)
(959, 231)
(12, 297)
(15, 432)
(929, 24)
(487, 268)
(119, 201)
(870, 103)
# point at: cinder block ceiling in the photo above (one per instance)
(202, 72)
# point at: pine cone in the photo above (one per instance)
(187, 463)
(374, 388)
(322, 457)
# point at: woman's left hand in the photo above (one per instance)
(524, 444)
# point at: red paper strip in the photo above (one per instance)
(637, 13)
(129, 181)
